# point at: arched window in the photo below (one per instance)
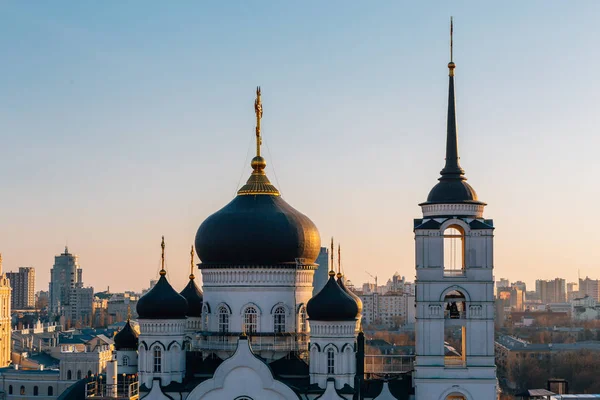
(125, 361)
(302, 319)
(35, 391)
(454, 250)
(79, 375)
(69, 375)
(50, 391)
(157, 360)
(205, 317)
(330, 361)
(22, 390)
(10, 389)
(250, 320)
(279, 320)
(89, 374)
(223, 319)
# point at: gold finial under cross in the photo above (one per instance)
(162, 258)
(258, 109)
(192, 263)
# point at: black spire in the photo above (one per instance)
(452, 168)
(452, 186)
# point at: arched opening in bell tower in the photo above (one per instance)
(455, 331)
(454, 250)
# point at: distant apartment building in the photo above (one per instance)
(121, 306)
(23, 288)
(573, 291)
(320, 276)
(5, 318)
(68, 297)
(553, 291)
(589, 287)
(81, 304)
(391, 310)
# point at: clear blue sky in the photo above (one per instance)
(123, 121)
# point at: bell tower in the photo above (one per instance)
(454, 285)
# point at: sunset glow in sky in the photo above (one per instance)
(124, 121)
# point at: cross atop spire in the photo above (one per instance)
(258, 110)
(258, 183)
(331, 271)
(162, 257)
(192, 263)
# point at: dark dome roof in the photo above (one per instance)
(162, 302)
(259, 229)
(194, 297)
(350, 293)
(452, 190)
(127, 338)
(332, 303)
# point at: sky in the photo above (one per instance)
(124, 121)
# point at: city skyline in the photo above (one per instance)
(108, 158)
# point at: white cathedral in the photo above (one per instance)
(257, 333)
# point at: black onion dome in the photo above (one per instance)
(350, 293)
(126, 338)
(162, 302)
(257, 229)
(453, 190)
(194, 298)
(332, 303)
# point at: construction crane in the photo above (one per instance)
(374, 277)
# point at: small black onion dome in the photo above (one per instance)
(162, 302)
(260, 229)
(194, 298)
(126, 338)
(332, 303)
(452, 190)
(350, 293)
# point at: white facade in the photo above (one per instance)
(256, 300)
(333, 352)
(474, 374)
(161, 352)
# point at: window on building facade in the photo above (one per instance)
(454, 249)
(330, 361)
(279, 320)
(157, 360)
(125, 361)
(69, 375)
(10, 389)
(50, 391)
(79, 375)
(35, 391)
(22, 390)
(303, 319)
(223, 319)
(250, 320)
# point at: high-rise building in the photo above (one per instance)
(68, 297)
(553, 291)
(64, 276)
(320, 277)
(589, 287)
(455, 285)
(5, 319)
(23, 288)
